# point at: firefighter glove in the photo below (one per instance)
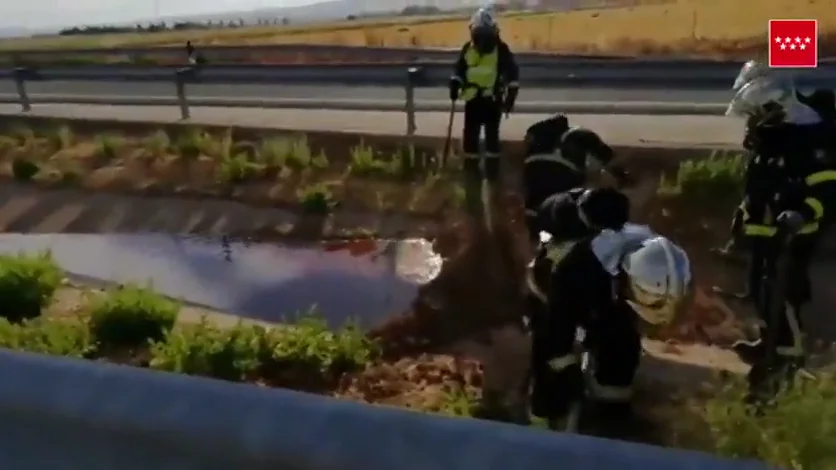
(455, 87)
(510, 100)
(792, 221)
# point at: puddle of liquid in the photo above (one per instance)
(366, 280)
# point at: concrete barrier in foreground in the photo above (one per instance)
(66, 414)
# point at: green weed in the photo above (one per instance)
(718, 177)
(24, 136)
(233, 354)
(364, 162)
(24, 170)
(47, 336)
(27, 284)
(275, 152)
(107, 146)
(246, 352)
(311, 341)
(797, 433)
(316, 199)
(157, 144)
(300, 156)
(237, 169)
(192, 143)
(61, 138)
(131, 317)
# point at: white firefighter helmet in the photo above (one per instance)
(761, 91)
(658, 276)
(750, 71)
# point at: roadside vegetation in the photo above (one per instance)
(133, 325)
(281, 170)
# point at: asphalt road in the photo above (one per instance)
(380, 93)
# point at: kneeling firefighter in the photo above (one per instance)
(486, 78)
(556, 161)
(790, 193)
(596, 271)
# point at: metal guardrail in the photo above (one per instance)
(674, 74)
(220, 53)
(68, 414)
(601, 73)
(410, 79)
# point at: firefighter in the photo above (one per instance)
(789, 194)
(767, 100)
(597, 272)
(486, 79)
(556, 161)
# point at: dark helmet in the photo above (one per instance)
(484, 32)
(604, 208)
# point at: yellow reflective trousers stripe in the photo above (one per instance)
(820, 177)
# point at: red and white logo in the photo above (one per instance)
(793, 43)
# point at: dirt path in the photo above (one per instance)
(25, 208)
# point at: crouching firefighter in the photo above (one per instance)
(556, 158)
(790, 194)
(486, 78)
(596, 271)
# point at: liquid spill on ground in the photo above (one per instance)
(367, 280)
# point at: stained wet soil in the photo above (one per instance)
(364, 280)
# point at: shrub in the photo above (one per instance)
(157, 144)
(24, 170)
(310, 341)
(47, 336)
(27, 284)
(710, 179)
(131, 316)
(108, 146)
(299, 355)
(61, 138)
(237, 169)
(233, 354)
(316, 199)
(796, 433)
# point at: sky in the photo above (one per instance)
(37, 14)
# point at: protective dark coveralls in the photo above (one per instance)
(556, 158)
(569, 287)
(486, 78)
(789, 190)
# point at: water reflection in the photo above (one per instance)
(369, 280)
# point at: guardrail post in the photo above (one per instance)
(181, 77)
(20, 83)
(412, 75)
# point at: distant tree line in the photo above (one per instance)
(240, 22)
(163, 26)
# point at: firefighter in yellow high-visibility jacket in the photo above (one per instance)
(486, 78)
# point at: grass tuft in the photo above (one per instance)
(131, 317)
(27, 285)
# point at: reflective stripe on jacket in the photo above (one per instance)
(813, 205)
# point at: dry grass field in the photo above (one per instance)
(719, 28)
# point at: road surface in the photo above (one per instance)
(376, 93)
